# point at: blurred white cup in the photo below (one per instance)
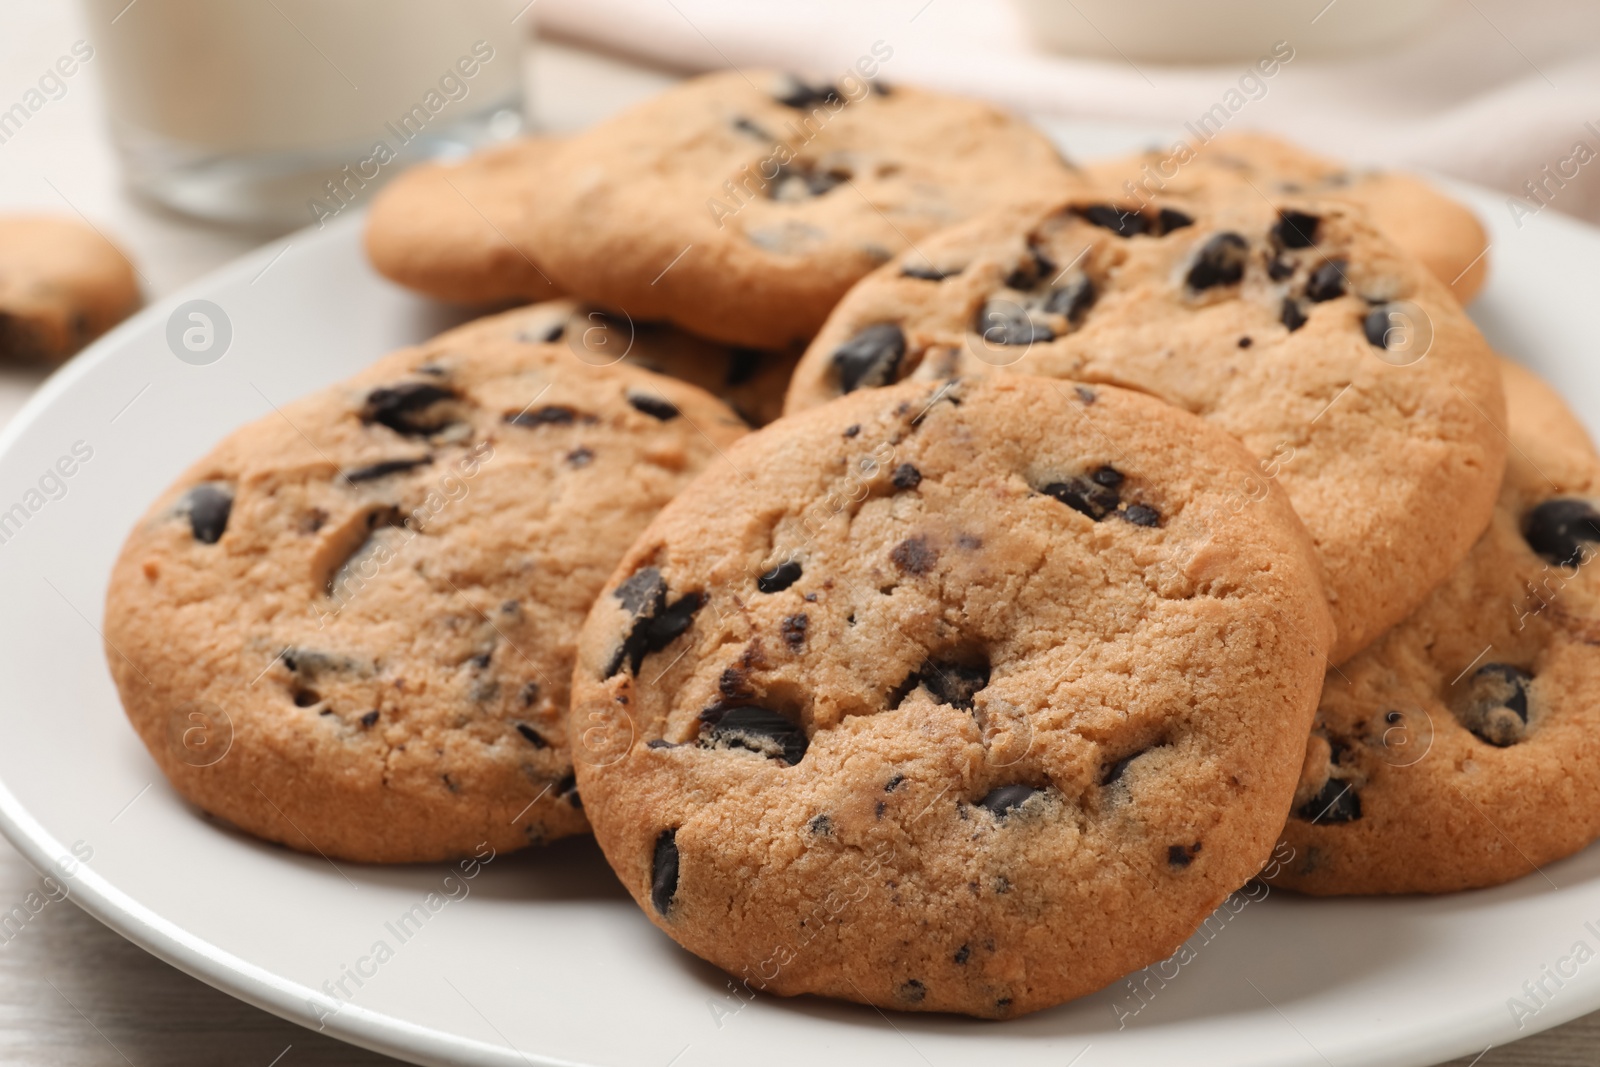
(280, 113)
(1188, 31)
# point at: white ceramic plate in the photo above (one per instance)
(541, 958)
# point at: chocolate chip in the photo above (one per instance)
(654, 406)
(532, 736)
(208, 506)
(893, 783)
(1558, 530)
(754, 728)
(1072, 300)
(1034, 266)
(1295, 229)
(749, 126)
(1121, 222)
(1291, 315)
(568, 787)
(906, 476)
(852, 429)
(1085, 394)
(1095, 496)
(803, 95)
(656, 624)
(912, 992)
(664, 871)
(1279, 268)
(820, 825)
(580, 457)
(1336, 802)
(1495, 706)
(1376, 326)
(927, 274)
(804, 179)
(1220, 261)
(871, 358)
(307, 698)
(1001, 322)
(914, 555)
(529, 694)
(1326, 282)
(780, 577)
(1245, 342)
(955, 684)
(549, 415)
(369, 719)
(1141, 515)
(1182, 855)
(374, 471)
(1169, 219)
(963, 954)
(1006, 798)
(548, 335)
(659, 742)
(404, 408)
(794, 630)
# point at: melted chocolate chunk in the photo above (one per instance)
(1220, 261)
(655, 406)
(1495, 706)
(871, 358)
(549, 415)
(756, 729)
(1072, 300)
(1169, 219)
(1292, 315)
(906, 476)
(656, 624)
(1123, 223)
(1337, 802)
(664, 871)
(208, 506)
(405, 408)
(1182, 855)
(1560, 530)
(1141, 515)
(1295, 229)
(1326, 282)
(955, 684)
(1001, 322)
(532, 736)
(1095, 496)
(1033, 268)
(1377, 326)
(780, 577)
(1007, 798)
(372, 472)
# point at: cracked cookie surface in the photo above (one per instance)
(1459, 750)
(350, 628)
(1355, 378)
(741, 205)
(967, 696)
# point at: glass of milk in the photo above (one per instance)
(284, 113)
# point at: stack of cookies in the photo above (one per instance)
(1105, 528)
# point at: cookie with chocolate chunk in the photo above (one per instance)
(1440, 231)
(741, 205)
(458, 231)
(62, 285)
(350, 628)
(963, 696)
(749, 380)
(1458, 751)
(1349, 370)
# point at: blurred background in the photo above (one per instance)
(187, 132)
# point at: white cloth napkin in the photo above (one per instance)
(1493, 91)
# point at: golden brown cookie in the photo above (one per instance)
(741, 205)
(1350, 372)
(61, 285)
(962, 696)
(750, 381)
(459, 231)
(1438, 230)
(350, 628)
(1460, 750)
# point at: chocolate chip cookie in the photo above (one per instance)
(741, 205)
(960, 696)
(1439, 231)
(1459, 750)
(1348, 370)
(61, 285)
(350, 628)
(749, 380)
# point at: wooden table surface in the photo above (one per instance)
(72, 992)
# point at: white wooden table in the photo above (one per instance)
(72, 992)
